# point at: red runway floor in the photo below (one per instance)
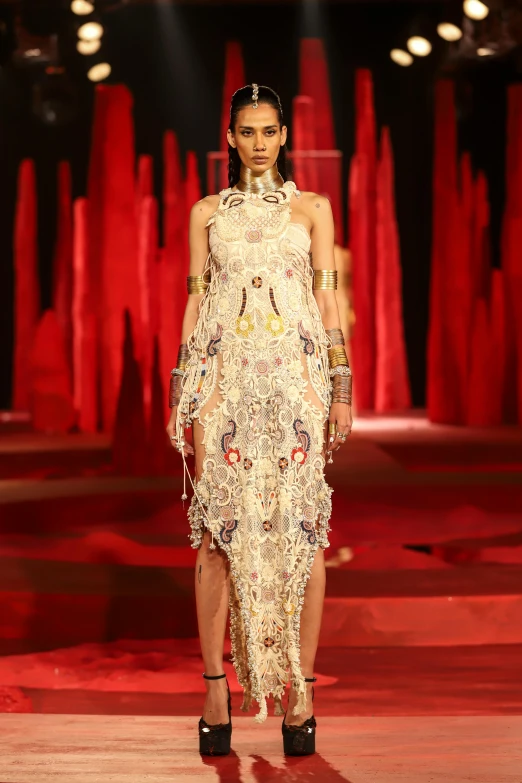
(423, 615)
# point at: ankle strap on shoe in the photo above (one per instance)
(214, 676)
(310, 679)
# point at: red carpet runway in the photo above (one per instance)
(420, 660)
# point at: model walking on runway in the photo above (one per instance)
(263, 380)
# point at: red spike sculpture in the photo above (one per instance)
(129, 442)
(362, 220)
(51, 397)
(145, 176)
(162, 459)
(314, 82)
(147, 262)
(62, 268)
(511, 253)
(443, 403)
(26, 285)
(392, 390)
(497, 378)
(115, 237)
(84, 325)
(305, 171)
(172, 297)
(234, 79)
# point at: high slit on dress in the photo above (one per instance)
(257, 383)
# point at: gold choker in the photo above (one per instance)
(262, 183)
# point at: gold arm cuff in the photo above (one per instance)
(325, 279)
(197, 284)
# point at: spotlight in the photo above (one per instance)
(82, 7)
(448, 31)
(90, 31)
(401, 57)
(88, 47)
(485, 51)
(99, 72)
(475, 9)
(418, 45)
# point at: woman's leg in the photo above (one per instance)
(311, 614)
(212, 581)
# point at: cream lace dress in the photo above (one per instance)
(257, 379)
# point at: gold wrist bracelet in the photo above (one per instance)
(337, 356)
(325, 279)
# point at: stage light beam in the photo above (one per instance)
(90, 31)
(400, 57)
(88, 47)
(476, 10)
(450, 32)
(418, 45)
(99, 72)
(82, 7)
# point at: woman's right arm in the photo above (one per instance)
(198, 246)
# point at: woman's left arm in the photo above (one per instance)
(322, 249)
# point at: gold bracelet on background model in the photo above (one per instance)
(325, 279)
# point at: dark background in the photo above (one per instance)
(172, 59)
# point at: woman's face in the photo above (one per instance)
(257, 137)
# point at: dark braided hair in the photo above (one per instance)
(240, 99)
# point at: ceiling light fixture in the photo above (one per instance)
(448, 31)
(475, 9)
(90, 31)
(88, 47)
(82, 7)
(401, 57)
(418, 45)
(99, 72)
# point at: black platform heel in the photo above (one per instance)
(215, 740)
(300, 740)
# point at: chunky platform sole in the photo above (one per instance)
(213, 740)
(299, 740)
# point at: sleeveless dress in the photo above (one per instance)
(257, 380)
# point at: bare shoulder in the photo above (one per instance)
(312, 200)
(316, 207)
(203, 209)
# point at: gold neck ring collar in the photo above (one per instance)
(259, 183)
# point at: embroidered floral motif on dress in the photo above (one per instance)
(262, 492)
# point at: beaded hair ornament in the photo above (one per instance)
(254, 96)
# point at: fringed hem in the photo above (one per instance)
(248, 679)
(263, 712)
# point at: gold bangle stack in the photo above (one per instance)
(337, 356)
(325, 279)
(177, 375)
(336, 336)
(338, 361)
(197, 284)
(342, 389)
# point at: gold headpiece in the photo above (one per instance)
(254, 96)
